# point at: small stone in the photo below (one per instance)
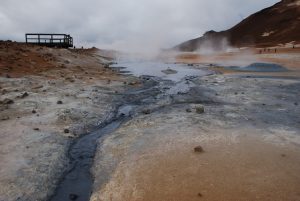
(36, 129)
(59, 102)
(188, 110)
(296, 104)
(200, 194)
(198, 149)
(199, 109)
(7, 101)
(24, 95)
(4, 118)
(73, 196)
(33, 111)
(146, 111)
(66, 130)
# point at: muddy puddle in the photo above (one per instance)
(164, 70)
(259, 67)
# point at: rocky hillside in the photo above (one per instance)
(278, 24)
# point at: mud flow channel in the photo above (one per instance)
(161, 81)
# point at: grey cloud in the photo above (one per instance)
(123, 24)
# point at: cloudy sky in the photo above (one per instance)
(123, 24)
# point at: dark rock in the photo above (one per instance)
(36, 129)
(59, 102)
(7, 101)
(198, 149)
(66, 130)
(24, 95)
(296, 104)
(200, 194)
(33, 111)
(73, 196)
(4, 118)
(8, 76)
(146, 111)
(189, 110)
(199, 109)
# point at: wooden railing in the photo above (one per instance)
(50, 40)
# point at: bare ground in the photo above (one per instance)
(48, 98)
(249, 133)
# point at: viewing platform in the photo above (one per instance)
(50, 40)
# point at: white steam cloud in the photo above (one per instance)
(137, 25)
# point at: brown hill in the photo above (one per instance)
(278, 24)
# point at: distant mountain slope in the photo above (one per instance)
(278, 24)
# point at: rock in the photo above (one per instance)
(189, 110)
(146, 111)
(24, 95)
(296, 104)
(38, 87)
(8, 76)
(73, 196)
(4, 118)
(7, 101)
(199, 109)
(36, 129)
(198, 149)
(59, 102)
(33, 111)
(133, 83)
(66, 130)
(200, 194)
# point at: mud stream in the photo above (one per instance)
(157, 91)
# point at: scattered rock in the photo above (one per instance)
(200, 194)
(189, 110)
(199, 109)
(7, 101)
(199, 149)
(66, 130)
(296, 104)
(8, 76)
(73, 196)
(24, 95)
(36, 129)
(4, 118)
(146, 111)
(33, 111)
(59, 102)
(38, 87)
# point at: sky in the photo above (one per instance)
(123, 24)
